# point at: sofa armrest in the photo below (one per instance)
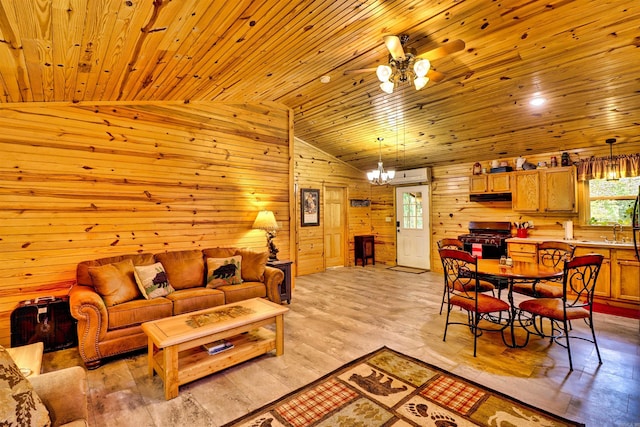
(273, 277)
(88, 308)
(64, 393)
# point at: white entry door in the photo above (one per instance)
(412, 226)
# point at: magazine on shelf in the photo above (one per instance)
(217, 346)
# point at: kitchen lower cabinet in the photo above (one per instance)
(625, 276)
(527, 252)
(603, 285)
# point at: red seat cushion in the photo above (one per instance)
(542, 290)
(552, 308)
(486, 303)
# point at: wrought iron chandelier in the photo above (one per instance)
(380, 176)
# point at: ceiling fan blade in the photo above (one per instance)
(394, 45)
(444, 50)
(435, 76)
(362, 70)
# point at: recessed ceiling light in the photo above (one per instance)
(325, 79)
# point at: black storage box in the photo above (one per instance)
(501, 169)
(46, 319)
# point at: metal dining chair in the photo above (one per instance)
(576, 302)
(550, 254)
(450, 243)
(462, 289)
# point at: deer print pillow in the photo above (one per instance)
(224, 271)
(152, 280)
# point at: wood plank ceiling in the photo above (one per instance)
(582, 56)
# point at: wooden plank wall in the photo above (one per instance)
(451, 209)
(314, 168)
(83, 181)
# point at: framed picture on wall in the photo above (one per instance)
(309, 207)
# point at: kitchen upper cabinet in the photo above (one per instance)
(545, 190)
(526, 195)
(490, 183)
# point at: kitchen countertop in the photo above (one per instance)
(577, 242)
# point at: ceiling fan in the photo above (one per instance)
(409, 66)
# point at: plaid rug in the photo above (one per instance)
(387, 388)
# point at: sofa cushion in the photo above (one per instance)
(152, 280)
(224, 271)
(246, 290)
(19, 403)
(219, 252)
(185, 269)
(135, 312)
(253, 264)
(115, 282)
(82, 270)
(188, 300)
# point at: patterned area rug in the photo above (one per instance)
(387, 388)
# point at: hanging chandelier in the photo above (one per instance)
(401, 70)
(612, 172)
(380, 176)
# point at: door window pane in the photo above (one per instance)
(412, 209)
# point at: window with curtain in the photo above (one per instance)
(609, 202)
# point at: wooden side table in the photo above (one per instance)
(285, 286)
(364, 249)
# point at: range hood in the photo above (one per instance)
(490, 197)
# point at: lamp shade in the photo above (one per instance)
(265, 220)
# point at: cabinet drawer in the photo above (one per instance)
(523, 256)
(530, 248)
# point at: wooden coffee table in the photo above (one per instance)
(175, 343)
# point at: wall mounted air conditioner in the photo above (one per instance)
(412, 176)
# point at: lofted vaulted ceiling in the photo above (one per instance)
(582, 56)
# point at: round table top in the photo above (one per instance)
(519, 270)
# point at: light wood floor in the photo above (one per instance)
(341, 314)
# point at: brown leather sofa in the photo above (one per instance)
(110, 312)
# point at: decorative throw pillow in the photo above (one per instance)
(19, 403)
(253, 264)
(115, 282)
(152, 280)
(224, 271)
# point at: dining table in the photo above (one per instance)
(493, 270)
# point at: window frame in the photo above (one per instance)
(585, 205)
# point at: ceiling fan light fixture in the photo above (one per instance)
(387, 87)
(421, 67)
(420, 82)
(384, 73)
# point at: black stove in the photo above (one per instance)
(487, 239)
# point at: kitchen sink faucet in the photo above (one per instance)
(616, 227)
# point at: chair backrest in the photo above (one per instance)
(460, 269)
(552, 254)
(448, 243)
(579, 282)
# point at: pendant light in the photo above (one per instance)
(612, 170)
(379, 176)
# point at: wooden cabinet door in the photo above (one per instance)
(526, 192)
(626, 276)
(527, 252)
(559, 190)
(603, 285)
(478, 184)
(500, 183)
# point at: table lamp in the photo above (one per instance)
(266, 221)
